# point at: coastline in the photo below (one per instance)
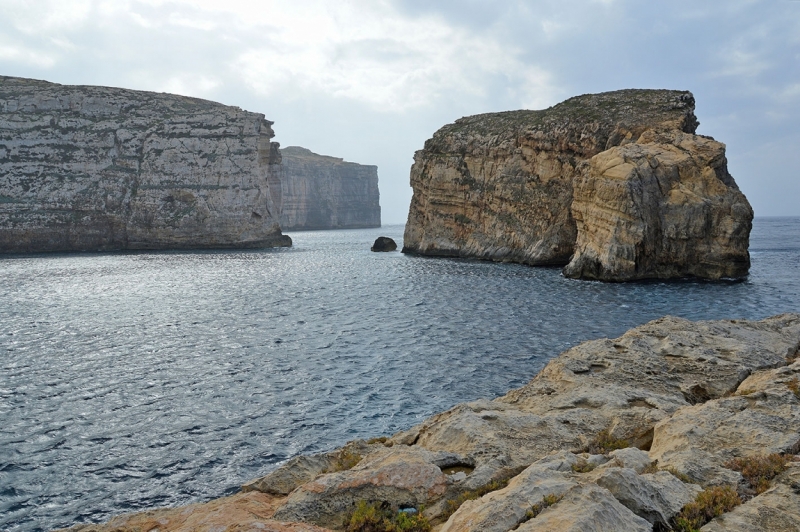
(682, 397)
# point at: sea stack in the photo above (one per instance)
(321, 192)
(96, 168)
(614, 186)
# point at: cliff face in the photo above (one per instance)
(616, 186)
(98, 168)
(321, 192)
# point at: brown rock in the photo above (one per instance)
(243, 512)
(402, 476)
(99, 168)
(615, 184)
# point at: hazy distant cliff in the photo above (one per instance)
(99, 168)
(616, 186)
(321, 192)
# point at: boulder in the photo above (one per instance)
(656, 497)
(586, 508)
(505, 509)
(384, 243)
(614, 186)
(403, 477)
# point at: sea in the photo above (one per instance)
(148, 379)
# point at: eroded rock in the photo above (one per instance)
(586, 508)
(616, 186)
(99, 168)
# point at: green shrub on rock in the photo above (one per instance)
(377, 517)
(709, 504)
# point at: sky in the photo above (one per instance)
(370, 81)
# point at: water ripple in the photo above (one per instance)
(134, 380)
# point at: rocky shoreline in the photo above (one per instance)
(635, 433)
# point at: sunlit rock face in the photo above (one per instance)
(99, 168)
(614, 186)
(321, 192)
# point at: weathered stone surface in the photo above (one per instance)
(656, 497)
(99, 168)
(664, 206)
(504, 509)
(776, 510)
(384, 243)
(626, 385)
(405, 477)
(586, 508)
(616, 185)
(242, 512)
(321, 192)
(699, 440)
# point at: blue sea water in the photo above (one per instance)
(134, 380)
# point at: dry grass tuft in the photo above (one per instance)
(709, 504)
(758, 471)
(547, 501)
(376, 517)
(605, 442)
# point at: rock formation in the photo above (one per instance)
(384, 243)
(98, 168)
(611, 435)
(615, 186)
(321, 192)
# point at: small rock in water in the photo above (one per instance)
(384, 243)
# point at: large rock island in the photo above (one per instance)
(321, 192)
(673, 424)
(614, 186)
(98, 168)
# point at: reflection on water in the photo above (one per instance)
(150, 379)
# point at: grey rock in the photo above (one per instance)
(384, 243)
(655, 497)
(321, 192)
(99, 168)
(586, 508)
(775, 510)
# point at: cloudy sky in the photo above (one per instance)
(371, 80)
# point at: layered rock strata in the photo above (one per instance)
(614, 186)
(677, 399)
(321, 192)
(99, 168)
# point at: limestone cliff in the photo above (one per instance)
(98, 168)
(321, 192)
(616, 186)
